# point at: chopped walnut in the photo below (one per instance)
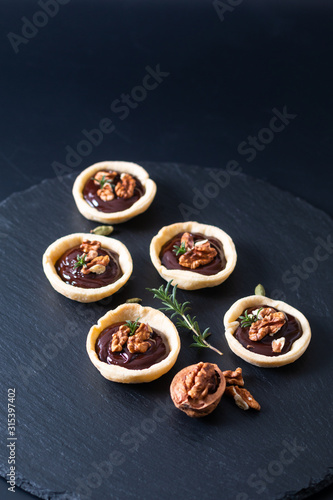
(109, 176)
(125, 187)
(188, 241)
(234, 377)
(97, 265)
(199, 255)
(138, 341)
(278, 344)
(200, 381)
(93, 262)
(106, 193)
(271, 322)
(119, 339)
(87, 246)
(242, 397)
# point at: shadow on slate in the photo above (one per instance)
(71, 421)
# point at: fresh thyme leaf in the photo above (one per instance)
(247, 319)
(103, 181)
(179, 250)
(132, 325)
(81, 261)
(260, 290)
(171, 303)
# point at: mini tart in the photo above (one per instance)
(231, 324)
(137, 208)
(187, 279)
(156, 320)
(60, 246)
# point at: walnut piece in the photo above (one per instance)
(119, 339)
(243, 398)
(188, 241)
(97, 265)
(278, 344)
(234, 377)
(201, 381)
(94, 263)
(271, 322)
(106, 193)
(197, 389)
(109, 176)
(199, 255)
(87, 246)
(138, 341)
(125, 187)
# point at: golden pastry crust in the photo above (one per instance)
(188, 280)
(137, 208)
(60, 246)
(156, 320)
(231, 324)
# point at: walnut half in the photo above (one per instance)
(243, 398)
(197, 389)
(270, 322)
(199, 255)
(138, 341)
(125, 187)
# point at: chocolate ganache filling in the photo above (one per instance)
(157, 351)
(72, 275)
(118, 204)
(170, 260)
(291, 331)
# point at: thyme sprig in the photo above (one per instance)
(103, 181)
(132, 325)
(81, 261)
(248, 319)
(179, 250)
(171, 303)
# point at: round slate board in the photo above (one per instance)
(80, 436)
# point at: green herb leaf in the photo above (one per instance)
(81, 261)
(132, 325)
(179, 250)
(171, 303)
(102, 230)
(260, 290)
(103, 181)
(248, 319)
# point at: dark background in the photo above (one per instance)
(225, 77)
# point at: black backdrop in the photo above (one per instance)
(221, 75)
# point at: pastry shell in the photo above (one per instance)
(231, 324)
(188, 280)
(137, 208)
(157, 320)
(60, 246)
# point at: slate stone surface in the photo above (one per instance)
(80, 436)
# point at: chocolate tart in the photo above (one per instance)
(295, 333)
(159, 323)
(213, 274)
(118, 210)
(93, 288)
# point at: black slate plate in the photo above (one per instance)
(80, 436)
